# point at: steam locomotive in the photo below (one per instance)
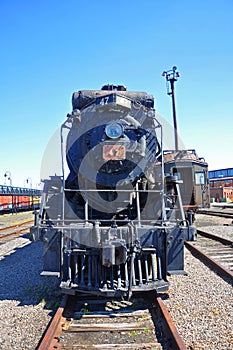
(115, 225)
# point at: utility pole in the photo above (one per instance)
(171, 76)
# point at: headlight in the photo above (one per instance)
(114, 130)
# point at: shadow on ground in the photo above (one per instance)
(20, 277)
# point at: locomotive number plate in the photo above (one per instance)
(114, 152)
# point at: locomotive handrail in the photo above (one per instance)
(103, 190)
(59, 223)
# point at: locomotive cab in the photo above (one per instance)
(193, 172)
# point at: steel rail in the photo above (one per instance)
(215, 213)
(16, 226)
(170, 328)
(220, 239)
(51, 336)
(13, 234)
(213, 263)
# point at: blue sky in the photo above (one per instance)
(51, 48)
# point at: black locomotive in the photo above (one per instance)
(115, 225)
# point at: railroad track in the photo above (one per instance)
(215, 250)
(90, 323)
(13, 231)
(218, 212)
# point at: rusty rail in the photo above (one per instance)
(52, 334)
(59, 324)
(213, 263)
(18, 231)
(220, 239)
(170, 328)
(216, 212)
(16, 226)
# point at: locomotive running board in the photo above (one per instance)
(177, 272)
(50, 273)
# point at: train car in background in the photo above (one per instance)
(192, 172)
(5, 201)
(13, 203)
(34, 202)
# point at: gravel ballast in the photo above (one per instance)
(201, 305)
(27, 300)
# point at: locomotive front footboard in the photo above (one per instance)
(113, 260)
